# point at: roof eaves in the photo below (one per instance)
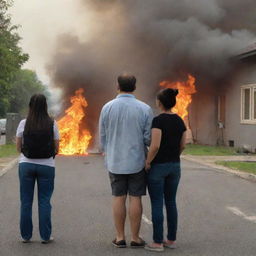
(246, 54)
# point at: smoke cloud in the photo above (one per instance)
(154, 40)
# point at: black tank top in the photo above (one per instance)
(172, 127)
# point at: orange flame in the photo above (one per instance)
(73, 138)
(184, 98)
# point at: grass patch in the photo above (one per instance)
(239, 165)
(8, 150)
(202, 150)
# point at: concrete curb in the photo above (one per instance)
(243, 175)
(9, 166)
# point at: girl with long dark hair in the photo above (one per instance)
(38, 142)
(163, 165)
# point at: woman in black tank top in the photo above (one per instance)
(163, 166)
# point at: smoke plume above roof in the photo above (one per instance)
(154, 40)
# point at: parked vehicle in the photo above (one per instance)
(3, 126)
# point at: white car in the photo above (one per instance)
(3, 126)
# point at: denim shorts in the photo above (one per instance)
(132, 184)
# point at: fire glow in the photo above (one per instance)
(184, 98)
(74, 139)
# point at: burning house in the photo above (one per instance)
(226, 114)
(164, 44)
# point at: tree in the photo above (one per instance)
(25, 84)
(11, 55)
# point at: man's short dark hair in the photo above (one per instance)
(127, 83)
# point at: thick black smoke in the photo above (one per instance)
(153, 39)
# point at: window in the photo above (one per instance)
(248, 104)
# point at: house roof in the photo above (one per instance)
(248, 52)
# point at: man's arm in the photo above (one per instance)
(147, 129)
(102, 131)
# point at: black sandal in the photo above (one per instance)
(141, 244)
(119, 244)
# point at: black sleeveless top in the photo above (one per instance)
(38, 144)
(172, 127)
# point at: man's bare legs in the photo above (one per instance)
(119, 213)
(135, 213)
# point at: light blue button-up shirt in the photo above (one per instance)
(125, 128)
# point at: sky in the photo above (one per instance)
(41, 22)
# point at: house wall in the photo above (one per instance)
(241, 134)
(203, 116)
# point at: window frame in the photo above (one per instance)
(253, 104)
(251, 120)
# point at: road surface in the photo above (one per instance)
(217, 213)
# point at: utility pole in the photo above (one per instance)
(12, 123)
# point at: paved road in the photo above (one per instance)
(217, 213)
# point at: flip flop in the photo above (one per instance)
(141, 244)
(119, 244)
(151, 248)
(170, 246)
(25, 241)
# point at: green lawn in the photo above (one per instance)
(241, 166)
(201, 150)
(8, 150)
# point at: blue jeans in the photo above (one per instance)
(163, 181)
(44, 175)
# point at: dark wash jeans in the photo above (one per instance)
(163, 181)
(44, 175)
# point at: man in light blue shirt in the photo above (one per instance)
(125, 127)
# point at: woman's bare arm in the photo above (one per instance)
(18, 144)
(183, 142)
(156, 135)
(57, 145)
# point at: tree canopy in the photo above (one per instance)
(25, 84)
(16, 85)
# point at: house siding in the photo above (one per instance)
(241, 134)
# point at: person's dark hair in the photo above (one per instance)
(167, 97)
(38, 117)
(126, 83)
